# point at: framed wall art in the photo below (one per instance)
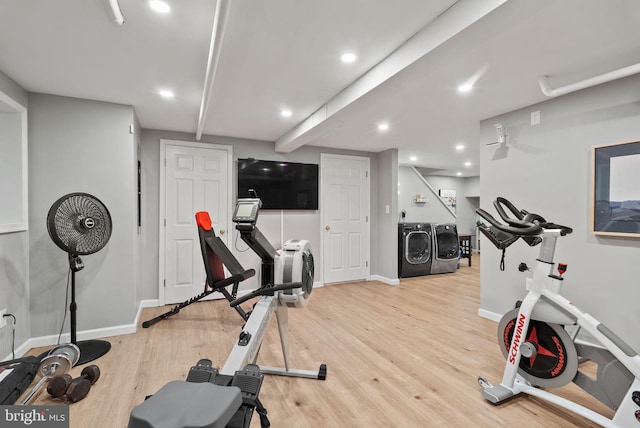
(449, 198)
(615, 204)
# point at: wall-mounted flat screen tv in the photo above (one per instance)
(280, 185)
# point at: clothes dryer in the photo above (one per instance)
(446, 252)
(415, 248)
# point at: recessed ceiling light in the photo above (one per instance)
(348, 57)
(467, 164)
(165, 93)
(413, 158)
(459, 147)
(159, 6)
(285, 113)
(470, 82)
(458, 173)
(465, 87)
(383, 126)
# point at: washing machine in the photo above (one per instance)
(415, 248)
(446, 248)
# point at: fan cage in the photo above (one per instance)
(79, 224)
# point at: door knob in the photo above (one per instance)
(327, 228)
(221, 231)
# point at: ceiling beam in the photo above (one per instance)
(454, 20)
(215, 47)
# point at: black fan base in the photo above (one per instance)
(92, 350)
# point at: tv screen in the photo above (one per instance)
(280, 185)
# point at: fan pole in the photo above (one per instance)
(89, 349)
(75, 264)
(73, 306)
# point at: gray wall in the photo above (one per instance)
(468, 202)
(410, 185)
(13, 90)
(81, 146)
(14, 261)
(467, 191)
(138, 242)
(387, 227)
(546, 169)
(297, 224)
(472, 185)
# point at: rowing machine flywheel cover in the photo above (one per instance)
(295, 264)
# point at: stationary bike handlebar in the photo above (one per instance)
(524, 223)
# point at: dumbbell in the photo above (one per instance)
(58, 361)
(74, 389)
(50, 367)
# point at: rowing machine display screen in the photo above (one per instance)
(246, 211)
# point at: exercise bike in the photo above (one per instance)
(535, 336)
(212, 398)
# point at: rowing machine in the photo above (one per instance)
(287, 281)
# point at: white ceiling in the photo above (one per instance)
(412, 56)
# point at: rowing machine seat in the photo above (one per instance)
(201, 405)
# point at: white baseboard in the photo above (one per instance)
(20, 351)
(145, 304)
(493, 316)
(99, 333)
(388, 281)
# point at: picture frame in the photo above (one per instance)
(615, 202)
(449, 199)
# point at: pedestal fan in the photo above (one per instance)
(80, 224)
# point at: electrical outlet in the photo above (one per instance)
(3, 320)
(535, 118)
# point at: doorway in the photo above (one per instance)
(345, 189)
(193, 177)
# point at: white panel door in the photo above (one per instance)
(196, 179)
(345, 213)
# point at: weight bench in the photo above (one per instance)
(216, 257)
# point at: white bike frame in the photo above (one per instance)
(544, 284)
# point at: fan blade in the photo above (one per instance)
(79, 223)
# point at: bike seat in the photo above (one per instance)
(180, 404)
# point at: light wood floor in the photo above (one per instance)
(405, 356)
